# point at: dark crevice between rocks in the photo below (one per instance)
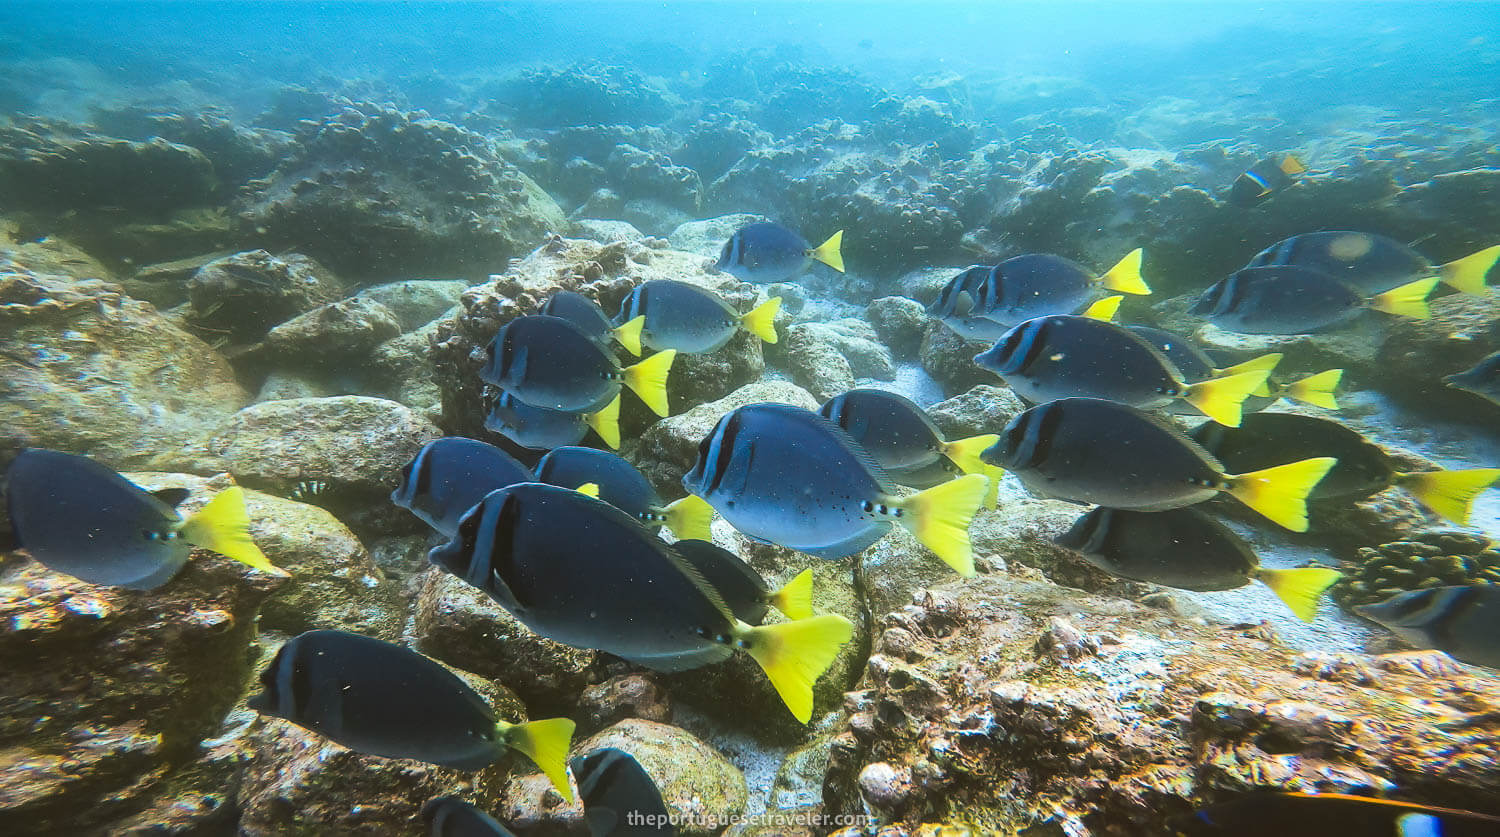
(857, 672)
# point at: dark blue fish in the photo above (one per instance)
(591, 320)
(742, 588)
(449, 475)
(78, 517)
(690, 319)
(1373, 264)
(1263, 814)
(955, 307)
(1462, 621)
(1037, 284)
(619, 797)
(903, 440)
(449, 816)
(623, 487)
(1264, 179)
(1299, 300)
(1483, 380)
(538, 428)
(385, 700)
(548, 362)
(766, 252)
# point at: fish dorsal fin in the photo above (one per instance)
(862, 456)
(172, 496)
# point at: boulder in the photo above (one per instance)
(340, 334)
(165, 284)
(900, 323)
(239, 298)
(983, 409)
(416, 302)
(949, 359)
(826, 358)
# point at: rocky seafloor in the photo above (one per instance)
(296, 300)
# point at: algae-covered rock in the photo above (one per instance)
(1417, 354)
(340, 334)
(165, 284)
(1430, 560)
(85, 369)
(900, 323)
(621, 697)
(416, 302)
(949, 359)
(55, 167)
(826, 357)
(983, 409)
(240, 297)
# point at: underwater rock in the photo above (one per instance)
(378, 192)
(983, 409)
(280, 386)
(85, 369)
(237, 152)
(1426, 560)
(340, 334)
(900, 323)
(165, 284)
(58, 167)
(622, 697)
(949, 359)
(463, 627)
(1416, 354)
(107, 690)
(925, 284)
(416, 302)
(654, 216)
(1169, 713)
(240, 297)
(585, 94)
(717, 142)
(401, 369)
(602, 230)
(825, 358)
(700, 378)
(668, 448)
(637, 174)
(706, 238)
(599, 202)
(51, 256)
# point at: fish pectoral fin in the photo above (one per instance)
(606, 423)
(795, 654)
(629, 334)
(1409, 300)
(224, 527)
(689, 518)
(1317, 390)
(648, 379)
(1125, 276)
(1301, 589)
(1280, 493)
(1220, 398)
(546, 743)
(828, 252)
(1468, 273)
(794, 599)
(761, 321)
(1449, 493)
(939, 517)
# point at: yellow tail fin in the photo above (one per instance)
(992, 492)
(1449, 493)
(1266, 363)
(224, 527)
(1467, 274)
(940, 517)
(761, 321)
(1409, 300)
(689, 518)
(629, 335)
(795, 654)
(828, 252)
(589, 488)
(965, 452)
(1291, 166)
(1300, 589)
(546, 743)
(1220, 398)
(1318, 389)
(795, 597)
(606, 423)
(1125, 276)
(1104, 309)
(648, 379)
(1280, 493)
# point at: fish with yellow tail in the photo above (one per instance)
(547, 362)
(538, 428)
(1264, 179)
(1297, 300)
(622, 486)
(1375, 263)
(1038, 284)
(591, 320)
(766, 252)
(693, 320)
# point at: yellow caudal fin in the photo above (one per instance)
(1280, 493)
(761, 321)
(689, 518)
(629, 335)
(648, 379)
(1264, 363)
(1220, 398)
(546, 743)
(1449, 493)
(992, 492)
(1300, 589)
(828, 252)
(794, 599)
(1125, 276)
(589, 488)
(795, 654)
(1467, 274)
(1409, 300)
(224, 527)
(940, 517)
(1291, 166)
(606, 423)
(965, 452)
(1104, 309)
(1317, 390)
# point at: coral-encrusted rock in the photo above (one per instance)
(900, 323)
(378, 192)
(983, 409)
(825, 358)
(1417, 354)
(1167, 715)
(240, 297)
(107, 690)
(340, 334)
(54, 167)
(622, 697)
(416, 302)
(461, 626)
(86, 369)
(586, 94)
(949, 359)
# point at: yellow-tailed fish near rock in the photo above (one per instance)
(788, 476)
(767, 252)
(618, 483)
(1482, 380)
(548, 362)
(693, 320)
(1319, 390)
(1038, 284)
(449, 475)
(384, 700)
(1289, 299)
(1375, 263)
(579, 571)
(591, 320)
(1093, 451)
(78, 517)
(1267, 177)
(619, 797)
(742, 588)
(1462, 621)
(1187, 549)
(538, 428)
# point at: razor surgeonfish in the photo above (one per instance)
(1196, 365)
(1328, 814)
(579, 571)
(902, 438)
(538, 428)
(449, 475)
(788, 476)
(1267, 177)
(1373, 263)
(449, 816)
(1187, 549)
(742, 588)
(955, 306)
(1088, 450)
(1299, 300)
(591, 320)
(1483, 380)
(1463, 621)
(765, 252)
(691, 319)
(1061, 356)
(1363, 469)
(623, 487)
(1319, 390)
(548, 362)
(75, 516)
(619, 797)
(385, 700)
(1038, 284)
